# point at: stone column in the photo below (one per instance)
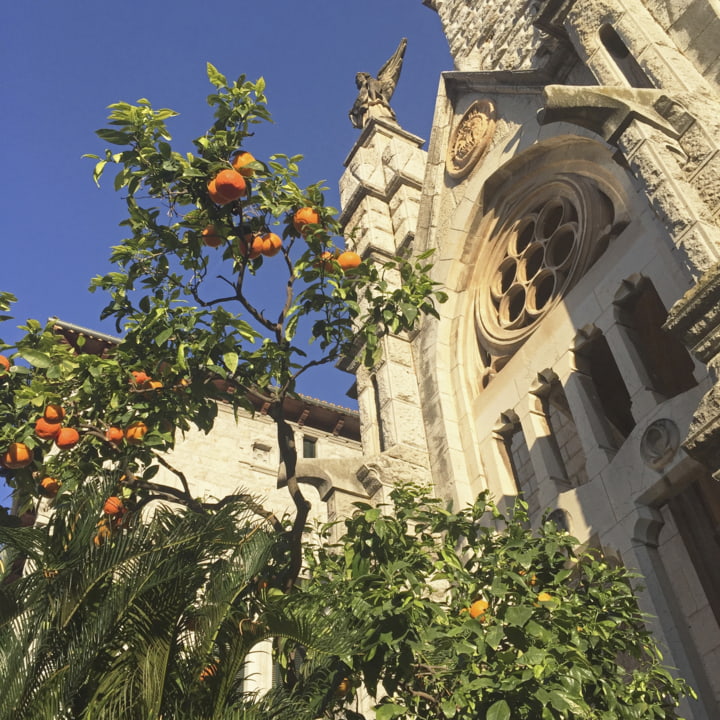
(657, 600)
(380, 195)
(380, 188)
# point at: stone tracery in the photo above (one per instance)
(540, 237)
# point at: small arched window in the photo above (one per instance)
(623, 58)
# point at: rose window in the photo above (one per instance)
(541, 239)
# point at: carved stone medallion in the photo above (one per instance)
(659, 443)
(470, 139)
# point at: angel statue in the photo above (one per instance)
(373, 100)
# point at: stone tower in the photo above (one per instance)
(571, 194)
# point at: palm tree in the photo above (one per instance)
(154, 620)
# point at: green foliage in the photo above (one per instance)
(561, 636)
(154, 620)
(163, 263)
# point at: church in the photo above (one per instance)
(570, 194)
(570, 191)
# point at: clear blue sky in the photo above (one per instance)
(63, 63)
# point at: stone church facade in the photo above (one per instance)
(570, 191)
(571, 194)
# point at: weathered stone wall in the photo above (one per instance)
(694, 26)
(242, 456)
(487, 35)
(550, 207)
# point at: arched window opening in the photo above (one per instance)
(623, 58)
(612, 395)
(666, 360)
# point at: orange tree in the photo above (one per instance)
(190, 340)
(90, 619)
(469, 615)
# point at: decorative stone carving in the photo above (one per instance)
(374, 94)
(659, 443)
(608, 111)
(544, 237)
(695, 319)
(470, 138)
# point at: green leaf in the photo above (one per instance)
(36, 358)
(498, 711)
(410, 312)
(161, 337)
(180, 358)
(116, 137)
(494, 636)
(561, 702)
(389, 711)
(372, 515)
(231, 361)
(216, 77)
(518, 615)
(448, 707)
(98, 171)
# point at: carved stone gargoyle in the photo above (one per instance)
(608, 111)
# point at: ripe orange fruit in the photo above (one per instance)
(248, 248)
(49, 487)
(348, 260)
(114, 435)
(113, 506)
(269, 244)
(304, 216)
(256, 247)
(67, 438)
(47, 430)
(230, 184)
(211, 238)
(325, 262)
(135, 433)
(544, 597)
(153, 384)
(140, 377)
(18, 455)
(54, 413)
(4, 362)
(240, 161)
(478, 608)
(215, 195)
